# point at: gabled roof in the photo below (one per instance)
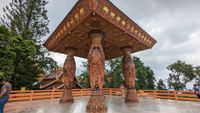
(54, 74)
(54, 80)
(87, 15)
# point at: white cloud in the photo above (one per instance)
(175, 24)
(3, 3)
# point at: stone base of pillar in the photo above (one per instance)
(131, 96)
(67, 97)
(96, 102)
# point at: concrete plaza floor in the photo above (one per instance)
(114, 104)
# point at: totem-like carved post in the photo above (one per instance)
(68, 76)
(129, 75)
(96, 61)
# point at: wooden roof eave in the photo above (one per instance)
(67, 17)
(110, 4)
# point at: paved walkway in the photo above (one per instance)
(115, 105)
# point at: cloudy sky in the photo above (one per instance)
(175, 24)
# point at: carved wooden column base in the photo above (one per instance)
(96, 102)
(67, 97)
(131, 96)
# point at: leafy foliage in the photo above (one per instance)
(7, 53)
(83, 78)
(28, 19)
(114, 76)
(16, 59)
(197, 74)
(145, 78)
(115, 73)
(181, 74)
(161, 85)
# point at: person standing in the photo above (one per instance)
(4, 95)
(196, 91)
(122, 88)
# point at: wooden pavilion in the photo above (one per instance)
(98, 30)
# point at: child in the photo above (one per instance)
(122, 88)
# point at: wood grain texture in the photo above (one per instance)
(129, 75)
(68, 76)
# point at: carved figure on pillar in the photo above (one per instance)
(129, 75)
(69, 69)
(96, 61)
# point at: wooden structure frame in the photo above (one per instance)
(99, 31)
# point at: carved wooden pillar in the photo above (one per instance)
(129, 75)
(68, 76)
(96, 60)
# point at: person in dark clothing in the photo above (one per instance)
(196, 91)
(4, 95)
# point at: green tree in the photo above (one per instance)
(150, 78)
(181, 74)
(145, 78)
(113, 77)
(83, 78)
(197, 74)
(7, 53)
(161, 85)
(28, 19)
(115, 73)
(16, 61)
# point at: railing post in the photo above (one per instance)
(110, 91)
(52, 94)
(31, 96)
(155, 93)
(81, 92)
(139, 93)
(175, 95)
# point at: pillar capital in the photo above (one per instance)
(96, 37)
(127, 50)
(70, 51)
